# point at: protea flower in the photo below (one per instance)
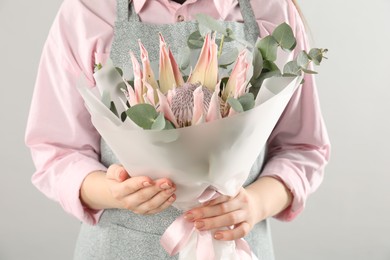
(195, 101)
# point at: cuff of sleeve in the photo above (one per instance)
(283, 170)
(69, 194)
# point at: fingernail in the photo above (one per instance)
(146, 184)
(199, 224)
(165, 186)
(218, 236)
(189, 216)
(171, 199)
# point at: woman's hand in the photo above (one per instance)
(264, 198)
(116, 189)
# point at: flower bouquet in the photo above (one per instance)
(201, 122)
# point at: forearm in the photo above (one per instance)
(95, 194)
(270, 196)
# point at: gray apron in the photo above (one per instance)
(121, 234)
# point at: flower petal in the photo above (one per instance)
(207, 61)
(138, 88)
(214, 111)
(130, 95)
(237, 77)
(148, 74)
(176, 71)
(211, 77)
(166, 109)
(198, 109)
(150, 94)
(167, 76)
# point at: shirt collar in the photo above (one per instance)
(223, 6)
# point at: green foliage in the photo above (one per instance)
(247, 101)
(268, 47)
(284, 36)
(144, 115)
(243, 103)
(228, 58)
(235, 104)
(211, 23)
(292, 68)
(195, 40)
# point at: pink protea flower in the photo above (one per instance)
(187, 103)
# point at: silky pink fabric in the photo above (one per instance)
(64, 143)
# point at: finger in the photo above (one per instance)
(130, 186)
(240, 231)
(117, 172)
(134, 198)
(214, 210)
(220, 199)
(163, 206)
(226, 220)
(154, 202)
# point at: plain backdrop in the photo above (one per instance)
(348, 218)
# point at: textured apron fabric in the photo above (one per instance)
(121, 234)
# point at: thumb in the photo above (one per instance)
(117, 173)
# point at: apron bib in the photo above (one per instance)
(122, 234)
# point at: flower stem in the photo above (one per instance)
(221, 45)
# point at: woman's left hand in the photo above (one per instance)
(265, 197)
(240, 211)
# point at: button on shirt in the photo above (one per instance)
(64, 143)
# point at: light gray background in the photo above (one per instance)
(347, 218)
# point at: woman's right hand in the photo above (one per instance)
(116, 189)
(139, 194)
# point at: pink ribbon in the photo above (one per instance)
(180, 231)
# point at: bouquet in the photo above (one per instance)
(202, 121)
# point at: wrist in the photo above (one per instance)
(270, 197)
(95, 194)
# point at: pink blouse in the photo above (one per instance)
(65, 145)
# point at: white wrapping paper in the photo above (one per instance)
(218, 154)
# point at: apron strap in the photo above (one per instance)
(125, 11)
(251, 27)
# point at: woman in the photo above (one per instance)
(123, 217)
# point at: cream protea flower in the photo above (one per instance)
(187, 103)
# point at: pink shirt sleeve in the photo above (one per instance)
(298, 148)
(63, 142)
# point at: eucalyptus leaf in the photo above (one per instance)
(168, 125)
(270, 66)
(235, 104)
(211, 23)
(229, 35)
(195, 40)
(257, 63)
(229, 57)
(203, 30)
(284, 35)
(184, 58)
(291, 68)
(120, 71)
(268, 47)
(303, 59)
(159, 123)
(309, 71)
(247, 101)
(113, 109)
(123, 116)
(143, 115)
(316, 55)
